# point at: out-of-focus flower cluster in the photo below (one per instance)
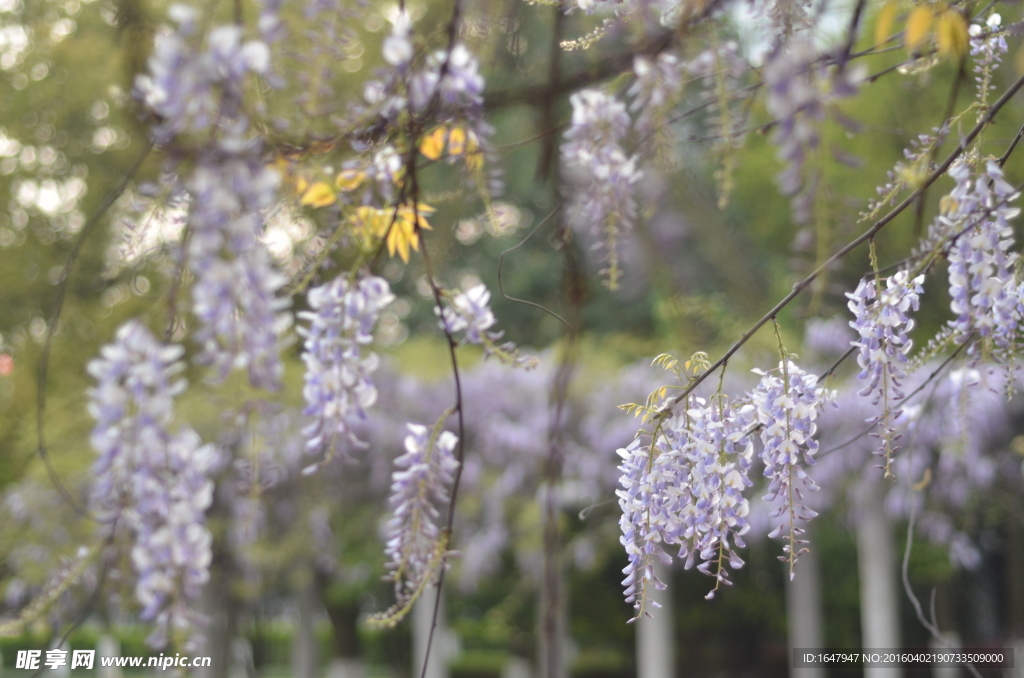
(470, 312)
(601, 174)
(338, 386)
(799, 92)
(149, 479)
(988, 45)
(193, 90)
(415, 544)
(189, 88)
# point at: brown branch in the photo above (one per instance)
(51, 326)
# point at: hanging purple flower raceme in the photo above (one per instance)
(235, 295)
(689, 494)
(196, 89)
(799, 92)
(415, 544)
(718, 452)
(787, 402)
(154, 481)
(641, 501)
(470, 312)
(882, 321)
(985, 294)
(338, 385)
(988, 45)
(601, 175)
(190, 88)
(658, 86)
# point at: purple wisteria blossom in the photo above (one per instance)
(470, 311)
(156, 482)
(984, 291)
(988, 53)
(658, 86)
(690, 494)
(787, 402)
(458, 91)
(643, 511)
(601, 175)
(338, 386)
(414, 541)
(189, 88)
(199, 89)
(882, 321)
(718, 453)
(799, 92)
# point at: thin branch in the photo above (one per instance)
(51, 326)
(522, 242)
(930, 625)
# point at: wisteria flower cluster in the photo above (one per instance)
(988, 45)
(689, 493)
(415, 544)
(470, 312)
(150, 479)
(193, 90)
(788, 401)
(984, 291)
(338, 375)
(655, 92)
(799, 94)
(882, 322)
(190, 88)
(602, 175)
(917, 162)
(448, 84)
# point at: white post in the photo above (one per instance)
(879, 595)
(655, 655)
(63, 671)
(805, 617)
(107, 646)
(516, 667)
(445, 644)
(305, 653)
(241, 664)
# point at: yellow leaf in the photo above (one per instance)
(401, 237)
(918, 23)
(349, 180)
(475, 160)
(953, 37)
(301, 185)
(319, 195)
(457, 141)
(433, 144)
(883, 25)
